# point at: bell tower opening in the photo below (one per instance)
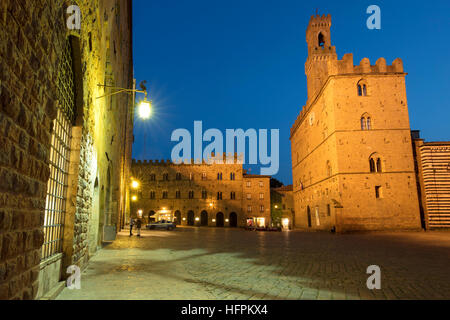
(321, 40)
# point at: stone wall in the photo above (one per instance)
(334, 186)
(32, 38)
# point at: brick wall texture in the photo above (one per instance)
(32, 39)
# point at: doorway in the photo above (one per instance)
(220, 220)
(233, 220)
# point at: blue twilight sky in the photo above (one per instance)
(240, 63)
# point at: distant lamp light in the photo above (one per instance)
(134, 198)
(276, 207)
(145, 109)
(184, 219)
(211, 205)
(227, 220)
(213, 220)
(135, 184)
(197, 219)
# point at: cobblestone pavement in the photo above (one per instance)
(201, 263)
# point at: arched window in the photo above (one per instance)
(321, 39)
(366, 122)
(372, 165)
(362, 88)
(376, 163)
(379, 167)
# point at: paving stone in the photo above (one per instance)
(228, 264)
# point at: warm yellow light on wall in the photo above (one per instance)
(197, 219)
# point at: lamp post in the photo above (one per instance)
(144, 111)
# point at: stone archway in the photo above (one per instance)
(191, 218)
(220, 221)
(233, 220)
(204, 219)
(177, 217)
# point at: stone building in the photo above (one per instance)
(433, 176)
(282, 207)
(353, 165)
(215, 195)
(64, 153)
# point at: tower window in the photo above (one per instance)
(378, 192)
(366, 122)
(321, 40)
(379, 168)
(376, 164)
(362, 88)
(372, 165)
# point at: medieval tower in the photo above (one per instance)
(352, 158)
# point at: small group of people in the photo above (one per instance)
(138, 224)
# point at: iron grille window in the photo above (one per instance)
(55, 204)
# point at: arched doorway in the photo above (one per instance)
(233, 220)
(309, 217)
(191, 218)
(177, 217)
(204, 219)
(219, 220)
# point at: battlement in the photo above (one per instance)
(237, 159)
(346, 66)
(318, 21)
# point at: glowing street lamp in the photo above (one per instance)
(134, 198)
(145, 109)
(134, 184)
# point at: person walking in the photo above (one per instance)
(131, 226)
(138, 227)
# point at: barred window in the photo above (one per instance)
(55, 203)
